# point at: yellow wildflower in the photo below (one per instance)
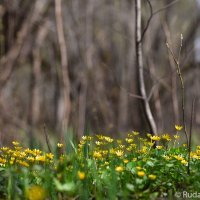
(97, 154)
(135, 133)
(59, 145)
(81, 175)
(49, 155)
(176, 137)
(119, 169)
(40, 158)
(129, 140)
(166, 137)
(125, 161)
(141, 173)
(159, 147)
(138, 168)
(108, 139)
(119, 153)
(178, 127)
(178, 157)
(36, 192)
(152, 177)
(155, 138)
(184, 162)
(15, 143)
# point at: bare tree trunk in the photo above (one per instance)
(140, 67)
(64, 101)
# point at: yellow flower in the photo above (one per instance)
(176, 137)
(108, 139)
(2, 160)
(81, 175)
(97, 154)
(138, 168)
(166, 137)
(15, 143)
(134, 159)
(141, 173)
(178, 127)
(159, 147)
(59, 145)
(135, 133)
(119, 153)
(129, 140)
(23, 163)
(155, 138)
(179, 157)
(125, 161)
(184, 162)
(166, 157)
(152, 177)
(98, 143)
(49, 155)
(119, 169)
(40, 158)
(36, 192)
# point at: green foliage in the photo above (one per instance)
(101, 167)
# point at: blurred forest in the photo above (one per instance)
(71, 65)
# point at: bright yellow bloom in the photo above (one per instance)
(59, 145)
(135, 133)
(119, 153)
(108, 139)
(40, 158)
(152, 177)
(141, 173)
(184, 162)
(15, 143)
(134, 159)
(138, 168)
(166, 157)
(178, 127)
(2, 160)
(49, 155)
(97, 154)
(119, 169)
(36, 192)
(81, 175)
(23, 163)
(98, 143)
(178, 157)
(129, 140)
(125, 161)
(176, 137)
(159, 147)
(166, 137)
(155, 138)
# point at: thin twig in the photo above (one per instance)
(47, 138)
(154, 13)
(190, 133)
(182, 93)
(148, 22)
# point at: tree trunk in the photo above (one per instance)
(140, 67)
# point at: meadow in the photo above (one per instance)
(101, 167)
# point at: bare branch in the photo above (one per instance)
(154, 13)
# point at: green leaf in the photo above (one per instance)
(66, 187)
(130, 187)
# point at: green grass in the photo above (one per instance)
(101, 167)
